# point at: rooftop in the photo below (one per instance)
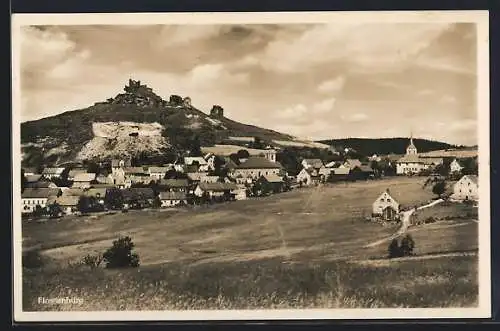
(256, 162)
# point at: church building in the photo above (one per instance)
(412, 163)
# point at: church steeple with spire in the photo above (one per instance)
(411, 149)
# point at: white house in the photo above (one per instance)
(467, 188)
(455, 166)
(158, 172)
(215, 189)
(190, 160)
(240, 192)
(385, 206)
(171, 199)
(33, 197)
(308, 176)
(52, 172)
(270, 154)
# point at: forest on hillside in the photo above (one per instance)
(384, 146)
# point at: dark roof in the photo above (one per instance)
(256, 162)
(410, 158)
(33, 178)
(473, 178)
(365, 168)
(172, 196)
(174, 182)
(218, 186)
(40, 192)
(135, 170)
(40, 184)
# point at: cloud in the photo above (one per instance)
(324, 106)
(354, 118)
(448, 99)
(181, 35)
(362, 46)
(332, 85)
(425, 92)
(464, 125)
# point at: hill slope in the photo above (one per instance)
(175, 123)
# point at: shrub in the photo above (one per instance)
(93, 261)
(407, 245)
(120, 254)
(404, 249)
(32, 259)
(394, 249)
(439, 188)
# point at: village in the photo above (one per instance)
(199, 180)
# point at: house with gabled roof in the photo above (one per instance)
(385, 206)
(467, 188)
(215, 189)
(158, 172)
(174, 185)
(172, 199)
(308, 176)
(256, 166)
(68, 203)
(33, 197)
(84, 180)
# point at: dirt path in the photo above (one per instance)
(405, 223)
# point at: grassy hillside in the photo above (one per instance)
(303, 248)
(383, 146)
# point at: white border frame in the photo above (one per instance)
(481, 18)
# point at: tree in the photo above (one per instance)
(88, 204)
(156, 202)
(394, 249)
(439, 188)
(120, 255)
(243, 154)
(114, 198)
(54, 210)
(407, 245)
(234, 157)
(195, 147)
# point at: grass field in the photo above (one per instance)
(287, 250)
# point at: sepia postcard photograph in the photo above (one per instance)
(251, 166)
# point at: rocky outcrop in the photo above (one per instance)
(113, 139)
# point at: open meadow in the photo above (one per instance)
(303, 248)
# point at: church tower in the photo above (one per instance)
(411, 149)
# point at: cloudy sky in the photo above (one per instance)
(314, 81)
